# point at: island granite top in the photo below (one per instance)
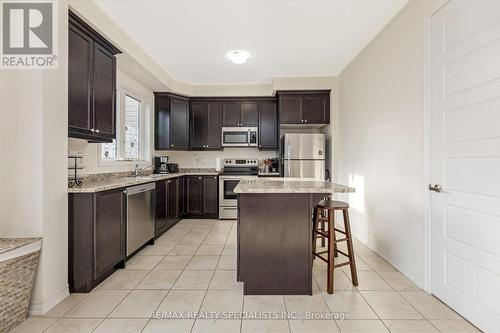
(289, 185)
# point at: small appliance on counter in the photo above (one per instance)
(160, 164)
(173, 167)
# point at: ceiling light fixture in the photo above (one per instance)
(238, 56)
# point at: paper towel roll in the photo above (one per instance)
(218, 164)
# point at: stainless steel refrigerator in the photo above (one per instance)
(303, 155)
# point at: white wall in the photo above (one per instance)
(33, 180)
(381, 140)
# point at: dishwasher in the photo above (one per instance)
(140, 215)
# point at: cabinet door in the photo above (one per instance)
(160, 206)
(79, 78)
(210, 195)
(213, 125)
(230, 113)
(194, 193)
(162, 122)
(173, 197)
(290, 109)
(179, 123)
(198, 125)
(249, 115)
(182, 197)
(268, 125)
(316, 109)
(104, 73)
(109, 237)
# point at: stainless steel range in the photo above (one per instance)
(234, 171)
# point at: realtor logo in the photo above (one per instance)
(28, 35)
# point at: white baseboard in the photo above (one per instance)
(41, 307)
(391, 259)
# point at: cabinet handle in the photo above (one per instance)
(97, 131)
(199, 177)
(92, 130)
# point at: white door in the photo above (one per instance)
(465, 159)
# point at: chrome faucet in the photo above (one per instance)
(137, 171)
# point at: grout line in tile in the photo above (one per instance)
(206, 290)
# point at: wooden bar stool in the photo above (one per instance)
(325, 212)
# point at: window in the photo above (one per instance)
(131, 127)
(132, 121)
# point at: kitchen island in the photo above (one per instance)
(275, 233)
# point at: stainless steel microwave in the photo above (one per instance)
(239, 137)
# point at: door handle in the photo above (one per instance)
(436, 188)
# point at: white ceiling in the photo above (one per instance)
(286, 38)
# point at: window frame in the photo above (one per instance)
(144, 143)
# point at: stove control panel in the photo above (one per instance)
(229, 162)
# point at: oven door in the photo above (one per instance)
(227, 197)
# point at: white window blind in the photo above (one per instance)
(132, 127)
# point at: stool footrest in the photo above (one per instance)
(322, 233)
(341, 231)
(343, 253)
(322, 258)
(342, 264)
(340, 240)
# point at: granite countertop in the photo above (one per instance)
(289, 185)
(110, 181)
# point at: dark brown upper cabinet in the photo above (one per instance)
(304, 107)
(249, 114)
(268, 125)
(171, 122)
(91, 83)
(230, 113)
(206, 125)
(240, 113)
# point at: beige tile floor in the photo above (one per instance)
(192, 268)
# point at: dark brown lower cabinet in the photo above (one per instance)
(169, 204)
(210, 195)
(202, 196)
(194, 195)
(173, 213)
(182, 196)
(160, 207)
(96, 237)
